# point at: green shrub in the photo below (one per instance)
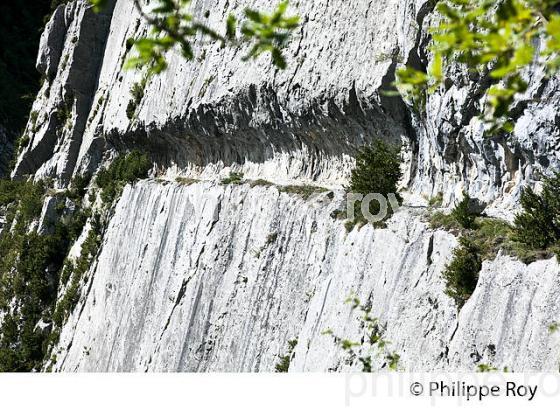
(125, 169)
(538, 226)
(464, 213)
(33, 117)
(234, 178)
(137, 90)
(31, 200)
(78, 186)
(492, 235)
(260, 182)
(21, 143)
(9, 191)
(64, 115)
(130, 109)
(186, 181)
(378, 170)
(271, 238)
(26, 194)
(461, 275)
(67, 271)
(137, 94)
(436, 201)
(74, 224)
(441, 220)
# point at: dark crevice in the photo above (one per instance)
(226, 131)
(430, 250)
(178, 299)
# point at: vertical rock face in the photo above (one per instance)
(70, 56)
(207, 277)
(455, 155)
(214, 278)
(300, 124)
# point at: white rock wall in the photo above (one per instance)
(302, 124)
(186, 279)
(70, 55)
(208, 278)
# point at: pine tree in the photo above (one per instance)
(539, 224)
(462, 273)
(464, 214)
(377, 171)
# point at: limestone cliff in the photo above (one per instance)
(209, 277)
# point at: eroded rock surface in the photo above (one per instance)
(220, 278)
(207, 277)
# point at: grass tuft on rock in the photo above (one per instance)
(436, 201)
(186, 181)
(260, 182)
(304, 191)
(234, 178)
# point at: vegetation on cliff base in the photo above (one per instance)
(34, 267)
(29, 266)
(534, 235)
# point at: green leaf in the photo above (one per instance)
(231, 27)
(437, 67)
(99, 5)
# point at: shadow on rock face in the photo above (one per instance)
(253, 127)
